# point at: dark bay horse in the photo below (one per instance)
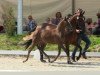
(68, 37)
(71, 38)
(48, 34)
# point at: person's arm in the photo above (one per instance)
(34, 24)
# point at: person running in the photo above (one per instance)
(81, 36)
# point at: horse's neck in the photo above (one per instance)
(61, 26)
(73, 18)
(73, 21)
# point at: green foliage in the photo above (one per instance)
(95, 43)
(9, 20)
(11, 43)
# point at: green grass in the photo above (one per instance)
(10, 43)
(95, 42)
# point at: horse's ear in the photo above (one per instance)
(83, 12)
(65, 18)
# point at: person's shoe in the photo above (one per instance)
(84, 56)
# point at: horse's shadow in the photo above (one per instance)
(77, 64)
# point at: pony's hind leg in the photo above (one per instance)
(29, 50)
(41, 49)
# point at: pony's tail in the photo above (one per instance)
(27, 44)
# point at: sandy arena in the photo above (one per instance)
(14, 63)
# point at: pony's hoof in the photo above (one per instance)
(51, 61)
(69, 62)
(84, 56)
(43, 61)
(77, 58)
(73, 59)
(24, 61)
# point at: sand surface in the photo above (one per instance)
(14, 63)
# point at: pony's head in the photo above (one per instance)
(79, 15)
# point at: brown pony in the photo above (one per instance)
(66, 36)
(71, 38)
(48, 33)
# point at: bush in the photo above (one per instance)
(9, 20)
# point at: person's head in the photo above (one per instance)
(80, 12)
(58, 15)
(30, 17)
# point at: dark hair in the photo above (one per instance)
(59, 14)
(30, 17)
(94, 23)
(81, 11)
(89, 21)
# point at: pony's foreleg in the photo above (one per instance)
(29, 50)
(59, 51)
(68, 55)
(79, 53)
(66, 50)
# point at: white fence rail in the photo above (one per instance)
(51, 53)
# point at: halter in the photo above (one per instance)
(70, 25)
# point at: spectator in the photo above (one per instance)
(48, 21)
(89, 25)
(98, 15)
(94, 26)
(57, 19)
(97, 30)
(31, 24)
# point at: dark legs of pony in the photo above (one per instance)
(68, 55)
(29, 50)
(41, 49)
(30, 45)
(66, 51)
(41, 54)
